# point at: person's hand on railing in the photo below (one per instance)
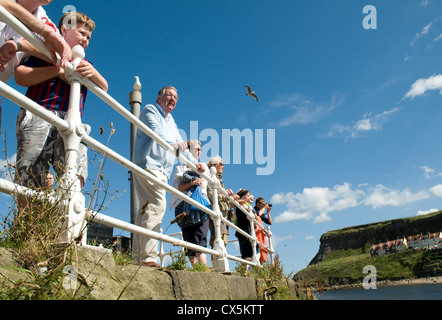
(56, 44)
(197, 182)
(180, 145)
(200, 167)
(87, 71)
(7, 52)
(62, 75)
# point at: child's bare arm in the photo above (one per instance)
(28, 76)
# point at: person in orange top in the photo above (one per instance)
(262, 214)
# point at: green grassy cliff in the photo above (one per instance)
(343, 253)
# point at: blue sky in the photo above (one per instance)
(355, 111)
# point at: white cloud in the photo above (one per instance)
(422, 33)
(277, 240)
(317, 203)
(338, 129)
(381, 196)
(424, 3)
(303, 110)
(423, 85)
(422, 213)
(6, 171)
(309, 237)
(428, 35)
(369, 122)
(425, 31)
(363, 125)
(436, 190)
(428, 171)
(322, 217)
(4, 163)
(5, 168)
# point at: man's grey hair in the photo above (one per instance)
(163, 90)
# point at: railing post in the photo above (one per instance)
(72, 137)
(220, 263)
(251, 217)
(270, 237)
(161, 253)
(135, 106)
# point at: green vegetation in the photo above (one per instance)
(346, 267)
(270, 278)
(272, 282)
(426, 224)
(34, 231)
(345, 252)
(179, 262)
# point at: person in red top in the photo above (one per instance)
(262, 214)
(39, 144)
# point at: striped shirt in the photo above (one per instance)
(52, 94)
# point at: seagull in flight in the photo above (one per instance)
(251, 93)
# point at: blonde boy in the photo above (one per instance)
(39, 144)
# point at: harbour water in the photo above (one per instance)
(431, 291)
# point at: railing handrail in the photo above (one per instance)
(64, 126)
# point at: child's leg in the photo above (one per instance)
(32, 133)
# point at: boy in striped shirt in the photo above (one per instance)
(39, 144)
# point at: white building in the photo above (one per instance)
(415, 241)
(401, 244)
(434, 239)
(418, 241)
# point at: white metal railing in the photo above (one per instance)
(162, 254)
(73, 133)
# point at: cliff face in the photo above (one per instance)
(363, 236)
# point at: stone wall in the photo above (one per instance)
(97, 270)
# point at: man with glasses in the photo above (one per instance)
(152, 157)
